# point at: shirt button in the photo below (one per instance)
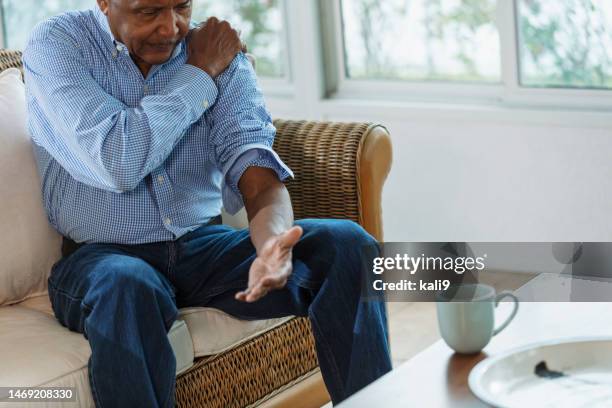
(160, 179)
(205, 104)
(167, 221)
(145, 89)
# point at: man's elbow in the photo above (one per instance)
(257, 181)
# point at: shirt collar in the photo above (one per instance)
(117, 46)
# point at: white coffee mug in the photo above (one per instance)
(466, 316)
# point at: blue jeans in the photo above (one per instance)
(124, 299)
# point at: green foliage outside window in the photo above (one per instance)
(260, 23)
(20, 16)
(561, 43)
(566, 44)
(437, 40)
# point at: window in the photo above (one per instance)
(506, 53)
(520, 45)
(447, 40)
(260, 22)
(565, 43)
(20, 16)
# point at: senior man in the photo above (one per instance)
(143, 127)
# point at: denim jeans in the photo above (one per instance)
(124, 299)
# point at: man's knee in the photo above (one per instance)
(335, 232)
(343, 248)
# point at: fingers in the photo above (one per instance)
(291, 237)
(233, 35)
(210, 20)
(252, 295)
(213, 45)
(257, 293)
(242, 295)
(262, 288)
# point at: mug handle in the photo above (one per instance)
(498, 299)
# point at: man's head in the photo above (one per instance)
(150, 29)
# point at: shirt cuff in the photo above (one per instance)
(257, 156)
(195, 87)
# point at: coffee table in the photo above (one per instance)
(437, 377)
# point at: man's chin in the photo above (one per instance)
(158, 57)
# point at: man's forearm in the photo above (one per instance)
(267, 204)
(269, 214)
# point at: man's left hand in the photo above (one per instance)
(272, 267)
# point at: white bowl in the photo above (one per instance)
(509, 379)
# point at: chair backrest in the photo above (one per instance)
(28, 245)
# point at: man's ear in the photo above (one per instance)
(103, 4)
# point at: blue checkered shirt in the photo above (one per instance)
(130, 160)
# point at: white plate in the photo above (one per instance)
(509, 380)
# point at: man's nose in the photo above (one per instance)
(168, 25)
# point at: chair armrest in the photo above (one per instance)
(340, 169)
(10, 59)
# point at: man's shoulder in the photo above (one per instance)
(69, 27)
(240, 69)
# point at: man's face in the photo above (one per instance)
(150, 29)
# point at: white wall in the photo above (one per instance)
(470, 176)
(498, 182)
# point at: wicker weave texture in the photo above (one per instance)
(324, 159)
(10, 59)
(248, 373)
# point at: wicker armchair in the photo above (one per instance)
(340, 169)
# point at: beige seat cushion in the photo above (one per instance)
(29, 246)
(212, 331)
(35, 350)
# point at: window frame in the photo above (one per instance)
(280, 86)
(3, 40)
(507, 93)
